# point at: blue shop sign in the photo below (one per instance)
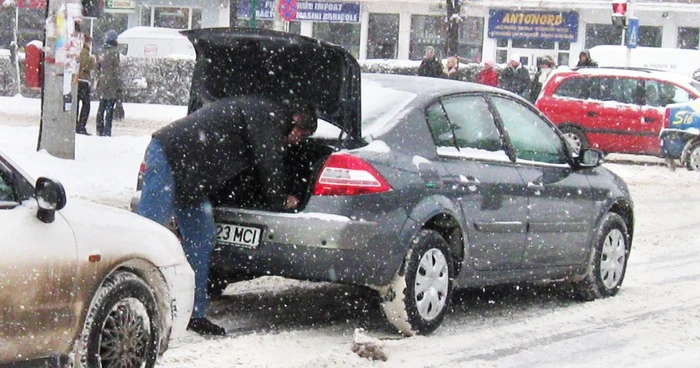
(314, 11)
(533, 25)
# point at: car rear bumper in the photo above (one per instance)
(314, 246)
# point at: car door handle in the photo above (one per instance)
(648, 119)
(592, 114)
(470, 182)
(537, 187)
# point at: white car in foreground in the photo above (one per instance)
(83, 284)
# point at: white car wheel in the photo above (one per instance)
(418, 297)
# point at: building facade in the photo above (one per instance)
(402, 29)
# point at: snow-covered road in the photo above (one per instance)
(274, 322)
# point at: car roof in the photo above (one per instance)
(632, 73)
(428, 86)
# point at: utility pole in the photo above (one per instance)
(632, 32)
(59, 88)
(453, 20)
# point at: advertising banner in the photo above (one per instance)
(533, 25)
(315, 11)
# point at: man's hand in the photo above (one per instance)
(291, 202)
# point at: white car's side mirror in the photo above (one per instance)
(50, 197)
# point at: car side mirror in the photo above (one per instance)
(590, 158)
(51, 197)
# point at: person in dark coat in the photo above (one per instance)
(108, 83)
(193, 157)
(585, 61)
(430, 66)
(545, 66)
(515, 77)
(86, 65)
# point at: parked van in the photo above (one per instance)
(154, 42)
(679, 61)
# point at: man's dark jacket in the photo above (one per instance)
(430, 68)
(515, 80)
(222, 139)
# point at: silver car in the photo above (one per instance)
(412, 186)
(84, 284)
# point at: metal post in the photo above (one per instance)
(58, 112)
(252, 22)
(16, 51)
(630, 15)
(278, 22)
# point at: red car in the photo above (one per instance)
(613, 109)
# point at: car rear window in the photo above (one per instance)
(572, 88)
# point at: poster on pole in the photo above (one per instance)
(633, 33)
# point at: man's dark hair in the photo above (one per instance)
(308, 112)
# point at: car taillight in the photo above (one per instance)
(667, 118)
(142, 168)
(347, 175)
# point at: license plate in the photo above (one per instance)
(241, 236)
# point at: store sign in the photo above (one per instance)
(533, 25)
(314, 11)
(28, 4)
(120, 6)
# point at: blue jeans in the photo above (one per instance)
(195, 221)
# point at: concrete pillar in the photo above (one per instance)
(364, 34)
(404, 35)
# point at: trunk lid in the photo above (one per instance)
(240, 61)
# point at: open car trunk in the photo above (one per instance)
(243, 61)
(302, 162)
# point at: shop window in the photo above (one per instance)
(533, 44)
(688, 38)
(295, 27)
(196, 18)
(145, 16)
(30, 25)
(650, 36)
(563, 58)
(603, 34)
(501, 56)
(564, 45)
(501, 42)
(471, 38)
(383, 36)
(346, 35)
(427, 30)
(116, 21)
(177, 18)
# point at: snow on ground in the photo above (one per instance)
(274, 322)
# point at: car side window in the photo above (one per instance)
(623, 90)
(439, 125)
(7, 193)
(576, 87)
(473, 124)
(660, 94)
(532, 137)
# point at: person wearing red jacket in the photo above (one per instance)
(488, 76)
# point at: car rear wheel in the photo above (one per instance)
(608, 261)
(121, 327)
(418, 298)
(576, 137)
(692, 162)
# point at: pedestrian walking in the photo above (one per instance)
(585, 61)
(515, 77)
(488, 76)
(87, 64)
(108, 83)
(193, 157)
(430, 66)
(545, 68)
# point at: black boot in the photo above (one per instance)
(203, 326)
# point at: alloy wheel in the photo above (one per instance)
(694, 159)
(432, 282)
(125, 335)
(612, 259)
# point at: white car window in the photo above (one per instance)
(7, 194)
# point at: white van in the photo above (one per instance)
(154, 42)
(679, 61)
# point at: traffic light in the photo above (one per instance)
(619, 16)
(93, 8)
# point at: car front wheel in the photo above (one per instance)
(418, 297)
(576, 137)
(608, 261)
(121, 327)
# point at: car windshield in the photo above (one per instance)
(380, 105)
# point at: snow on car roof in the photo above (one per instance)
(632, 73)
